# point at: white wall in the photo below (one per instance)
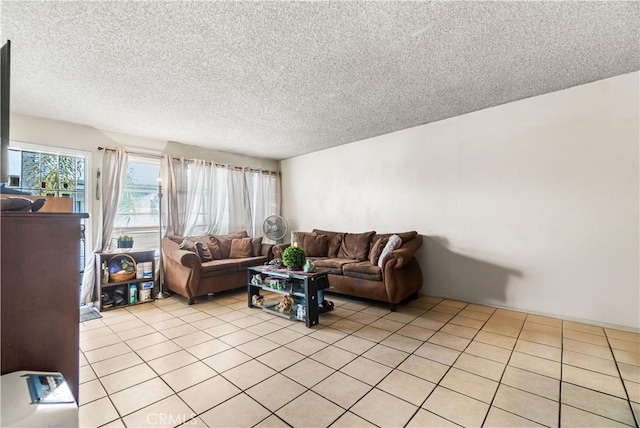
(531, 205)
(46, 132)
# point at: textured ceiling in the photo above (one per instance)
(280, 79)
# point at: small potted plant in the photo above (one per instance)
(125, 242)
(293, 257)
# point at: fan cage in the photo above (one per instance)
(275, 227)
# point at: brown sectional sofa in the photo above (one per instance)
(352, 260)
(210, 263)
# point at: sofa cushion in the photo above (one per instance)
(224, 243)
(218, 267)
(214, 248)
(334, 245)
(393, 243)
(188, 245)
(256, 247)
(240, 248)
(203, 251)
(316, 245)
(363, 270)
(355, 246)
(243, 264)
(334, 238)
(334, 265)
(376, 250)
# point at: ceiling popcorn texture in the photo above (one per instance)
(280, 79)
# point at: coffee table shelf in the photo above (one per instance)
(302, 286)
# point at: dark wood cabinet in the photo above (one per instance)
(39, 293)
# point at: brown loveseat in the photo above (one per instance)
(210, 263)
(355, 269)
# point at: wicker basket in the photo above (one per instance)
(124, 274)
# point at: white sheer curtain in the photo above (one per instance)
(187, 185)
(113, 174)
(175, 179)
(203, 197)
(197, 179)
(264, 197)
(238, 203)
(215, 202)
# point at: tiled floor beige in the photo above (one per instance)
(433, 363)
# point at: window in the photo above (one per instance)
(138, 211)
(49, 174)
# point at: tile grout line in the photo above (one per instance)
(450, 366)
(502, 376)
(594, 390)
(372, 387)
(396, 368)
(347, 410)
(624, 385)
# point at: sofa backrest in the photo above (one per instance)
(218, 245)
(357, 246)
(405, 236)
(334, 238)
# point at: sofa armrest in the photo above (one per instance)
(278, 249)
(182, 269)
(186, 258)
(406, 252)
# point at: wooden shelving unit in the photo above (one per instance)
(123, 287)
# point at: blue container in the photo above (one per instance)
(133, 294)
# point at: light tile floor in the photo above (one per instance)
(434, 362)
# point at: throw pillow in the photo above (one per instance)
(334, 245)
(256, 247)
(224, 242)
(376, 250)
(240, 248)
(188, 245)
(315, 245)
(393, 243)
(334, 239)
(355, 246)
(203, 251)
(214, 247)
